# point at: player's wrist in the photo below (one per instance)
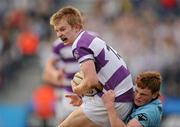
(110, 107)
(77, 90)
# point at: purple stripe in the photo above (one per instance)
(69, 59)
(117, 78)
(57, 48)
(69, 75)
(83, 44)
(85, 40)
(128, 96)
(100, 61)
(100, 94)
(125, 97)
(67, 88)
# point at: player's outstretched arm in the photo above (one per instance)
(51, 74)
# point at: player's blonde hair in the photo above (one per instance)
(70, 14)
(149, 79)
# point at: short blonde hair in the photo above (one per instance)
(72, 15)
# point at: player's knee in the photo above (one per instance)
(60, 125)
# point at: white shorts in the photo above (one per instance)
(62, 106)
(93, 108)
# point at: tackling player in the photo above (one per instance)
(59, 71)
(147, 110)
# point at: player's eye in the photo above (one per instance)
(62, 29)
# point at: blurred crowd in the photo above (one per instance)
(145, 32)
(23, 27)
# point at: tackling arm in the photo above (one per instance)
(108, 99)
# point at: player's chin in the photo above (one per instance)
(138, 103)
(66, 42)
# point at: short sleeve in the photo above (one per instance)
(82, 54)
(82, 50)
(143, 118)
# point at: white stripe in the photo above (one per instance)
(55, 56)
(66, 52)
(67, 82)
(57, 42)
(85, 58)
(71, 67)
(77, 39)
(113, 64)
(97, 45)
(124, 86)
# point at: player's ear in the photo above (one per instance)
(155, 95)
(77, 27)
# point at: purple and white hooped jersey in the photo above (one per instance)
(111, 69)
(63, 53)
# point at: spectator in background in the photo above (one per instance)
(147, 109)
(27, 40)
(59, 71)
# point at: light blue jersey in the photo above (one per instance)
(148, 115)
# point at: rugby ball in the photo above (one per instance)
(78, 77)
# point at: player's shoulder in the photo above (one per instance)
(154, 104)
(85, 38)
(92, 33)
(148, 113)
(151, 108)
(57, 42)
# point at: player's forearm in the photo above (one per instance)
(49, 70)
(90, 80)
(45, 77)
(114, 118)
(49, 77)
(85, 86)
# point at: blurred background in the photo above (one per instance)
(145, 32)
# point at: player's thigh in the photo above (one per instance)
(77, 119)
